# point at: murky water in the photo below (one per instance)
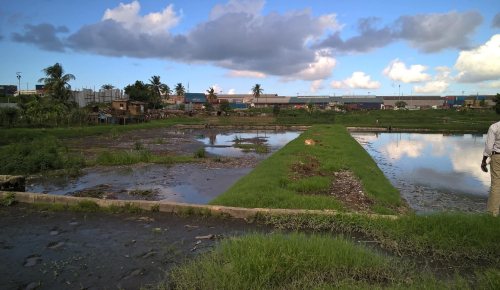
(434, 172)
(191, 183)
(223, 144)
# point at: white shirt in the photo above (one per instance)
(492, 140)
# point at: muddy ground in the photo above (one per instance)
(71, 250)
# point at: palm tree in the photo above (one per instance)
(57, 83)
(180, 90)
(166, 91)
(212, 97)
(257, 90)
(155, 86)
(107, 87)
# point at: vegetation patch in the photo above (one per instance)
(40, 155)
(128, 157)
(9, 199)
(297, 261)
(442, 237)
(280, 180)
(143, 193)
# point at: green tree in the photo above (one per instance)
(400, 104)
(212, 96)
(57, 83)
(166, 91)
(139, 91)
(497, 103)
(257, 91)
(107, 87)
(180, 90)
(156, 90)
(225, 107)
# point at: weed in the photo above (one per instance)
(142, 192)
(9, 199)
(138, 145)
(155, 208)
(85, 206)
(200, 153)
(158, 141)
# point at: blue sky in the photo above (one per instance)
(289, 47)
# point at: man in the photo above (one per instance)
(492, 150)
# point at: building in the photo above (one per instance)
(8, 90)
(88, 96)
(40, 89)
(415, 102)
(195, 101)
(361, 103)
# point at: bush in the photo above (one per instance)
(200, 153)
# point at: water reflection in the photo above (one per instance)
(436, 163)
(223, 143)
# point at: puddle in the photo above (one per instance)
(434, 172)
(191, 183)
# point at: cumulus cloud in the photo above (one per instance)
(397, 71)
(231, 92)
(439, 84)
(496, 21)
(128, 16)
(246, 74)
(358, 80)
(253, 7)
(481, 63)
(237, 37)
(316, 86)
(399, 149)
(42, 35)
(426, 32)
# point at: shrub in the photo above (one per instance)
(200, 153)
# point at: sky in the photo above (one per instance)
(299, 47)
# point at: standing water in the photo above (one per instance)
(434, 172)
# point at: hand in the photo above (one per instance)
(483, 167)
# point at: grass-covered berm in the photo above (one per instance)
(307, 174)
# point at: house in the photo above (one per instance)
(362, 103)
(194, 101)
(415, 102)
(126, 111)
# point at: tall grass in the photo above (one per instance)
(40, 155)
(111, 158)
(270, 185)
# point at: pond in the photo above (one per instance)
(190, 183)
(434, 172)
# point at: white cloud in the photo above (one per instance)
(396, 150)
(330, 22)
(218, 89)
(491, 85)
(432, 87)
(152, 23)
(397, 71)
(246, 74)
(252, 7)
(321, 68)
(480, 64)
(316, 85)
(231, 92)
(358, 80)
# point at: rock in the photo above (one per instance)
(12, 183)
(207, 237)
(55, 245)
(32, 285)
(54, 233)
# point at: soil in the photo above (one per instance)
(71, 250)
(349, 190)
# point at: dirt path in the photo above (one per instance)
(70, 250)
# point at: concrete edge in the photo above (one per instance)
(176, 207)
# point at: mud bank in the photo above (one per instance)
(68, 250)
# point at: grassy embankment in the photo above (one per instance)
(434, 120)
(277, 181)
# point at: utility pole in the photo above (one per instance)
(18, 75)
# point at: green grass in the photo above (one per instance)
(15, 134)
(111, 158)
(40, 155)
(445, 236)
(270, 185)
(297, 261)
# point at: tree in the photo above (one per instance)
(166, 91)
(156, 88)
(497, 103)
(400, 104)
(180, 90)
(212, 97)
(257, 91)
(57, 83)
(225, 106)
(107, 87)
(138, 92)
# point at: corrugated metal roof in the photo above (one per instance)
(309, 100)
